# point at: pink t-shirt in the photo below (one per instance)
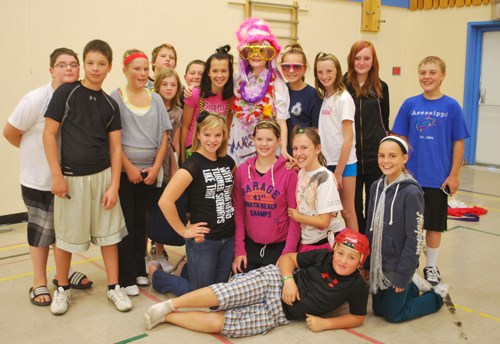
(211, 104)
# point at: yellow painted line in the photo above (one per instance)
(482, 315)
(493, 198)
(10, 278)
(13, 247)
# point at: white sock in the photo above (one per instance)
(432, 256)
(156, 313)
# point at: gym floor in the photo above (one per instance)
(468, 263)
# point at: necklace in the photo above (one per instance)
(263, 90)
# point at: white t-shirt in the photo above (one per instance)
(317, 194)
(334, 110)
(28, 116)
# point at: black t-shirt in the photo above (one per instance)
(322, 290)
(209, 194)
(86, 117)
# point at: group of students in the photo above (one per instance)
(233, 151)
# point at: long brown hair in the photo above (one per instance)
(372, 86)
(169, 73)
(312, 134)
(338, 84)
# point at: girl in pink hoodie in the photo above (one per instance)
(263, 191)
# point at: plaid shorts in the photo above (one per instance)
(40, 205)
(252, 302)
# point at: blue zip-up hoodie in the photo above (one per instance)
(402, 239)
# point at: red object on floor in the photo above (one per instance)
(458, 212)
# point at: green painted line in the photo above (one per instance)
(133, 339)
(472, 229)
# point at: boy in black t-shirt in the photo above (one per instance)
(87, 121)
(255, 302)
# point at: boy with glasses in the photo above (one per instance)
(24, 130)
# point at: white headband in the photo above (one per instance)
(401, 143)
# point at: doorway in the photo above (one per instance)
(481, 105)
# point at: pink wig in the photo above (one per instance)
(256, 30)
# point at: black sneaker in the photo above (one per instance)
(432, 275)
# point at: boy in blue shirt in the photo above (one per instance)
(434, 126)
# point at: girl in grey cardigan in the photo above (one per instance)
(395, 231)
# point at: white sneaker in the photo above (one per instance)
(142, 281)
(60, 301)
(441, 289)
(132, 290)
(432, 275)
(422, 284)
(165, 265)
(120, 299)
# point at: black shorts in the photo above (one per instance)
(436, 210)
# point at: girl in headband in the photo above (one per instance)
(145, 123)
(264, 190)
(260, 91)
(395, 220)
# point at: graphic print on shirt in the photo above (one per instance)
(427, 119)
(327, 111)
(419, 232)
(332, 282)
(259, 198)
(219, 183)
(296, 109)
(307, 193)
(214, 107)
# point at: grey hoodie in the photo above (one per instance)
(402, 239)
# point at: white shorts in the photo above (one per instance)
(82, 219)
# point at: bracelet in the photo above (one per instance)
(287, 277)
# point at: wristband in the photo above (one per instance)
(287, 277)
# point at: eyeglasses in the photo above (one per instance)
(298, 67)
(72, 65)
(266, 52)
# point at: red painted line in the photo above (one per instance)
(222, 339)
(363, 336)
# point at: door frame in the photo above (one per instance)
(473, 59)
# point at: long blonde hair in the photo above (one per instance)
(209, 121)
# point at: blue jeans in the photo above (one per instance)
(209, 262)
(407, 305)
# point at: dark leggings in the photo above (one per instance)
(259, 255)
(366, 181)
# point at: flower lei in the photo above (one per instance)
(254, 101)
(254, 88)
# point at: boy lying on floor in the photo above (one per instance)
(256, 302)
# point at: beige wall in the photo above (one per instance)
(32, 29)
